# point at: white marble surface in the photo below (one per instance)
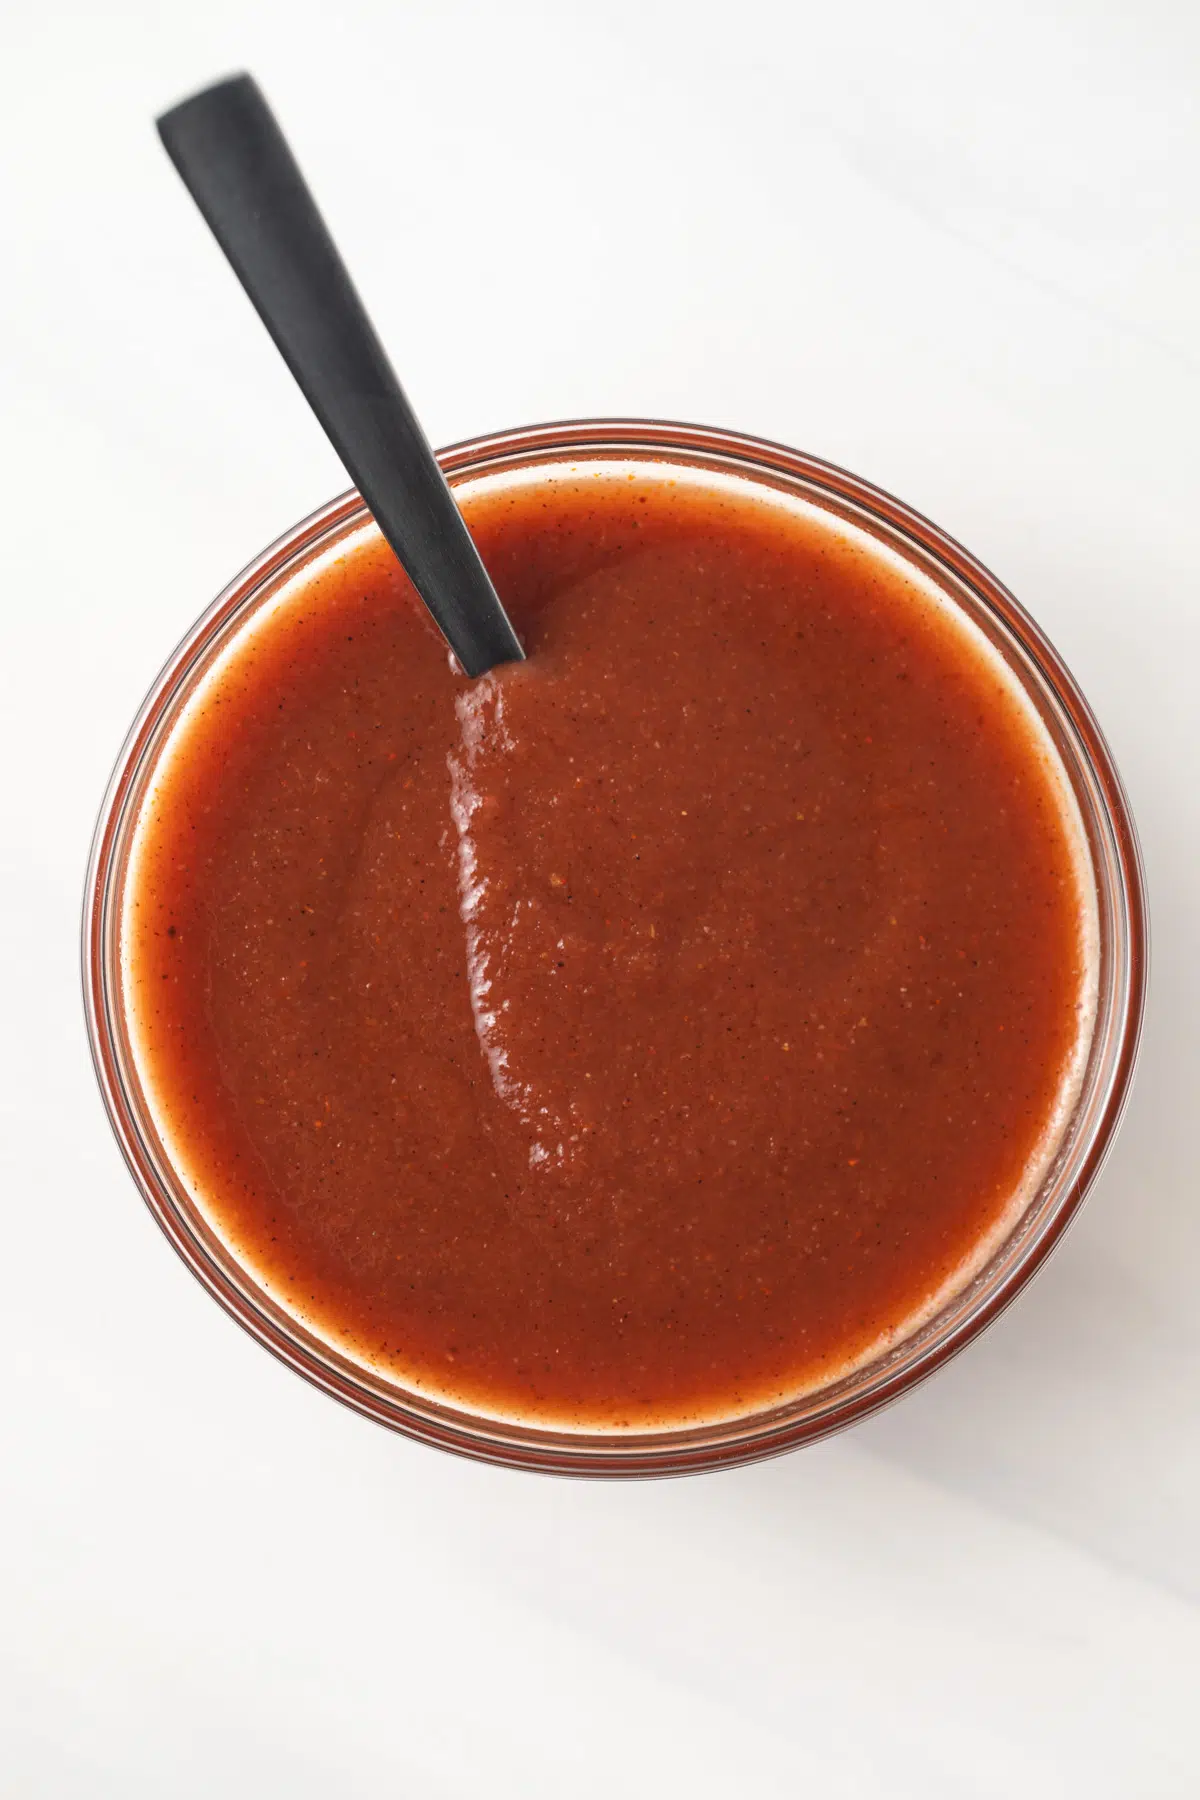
(953, 247)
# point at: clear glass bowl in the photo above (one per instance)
(1112, 845)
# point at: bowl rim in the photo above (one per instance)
(810, 1416)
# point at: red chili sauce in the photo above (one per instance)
(638, 1035)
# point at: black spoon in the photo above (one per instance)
(236, 163)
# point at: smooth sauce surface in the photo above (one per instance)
(639, 1034)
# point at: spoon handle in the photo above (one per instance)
(237, 165)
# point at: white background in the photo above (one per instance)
(951, 246)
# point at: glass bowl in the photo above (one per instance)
(1121, 969)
